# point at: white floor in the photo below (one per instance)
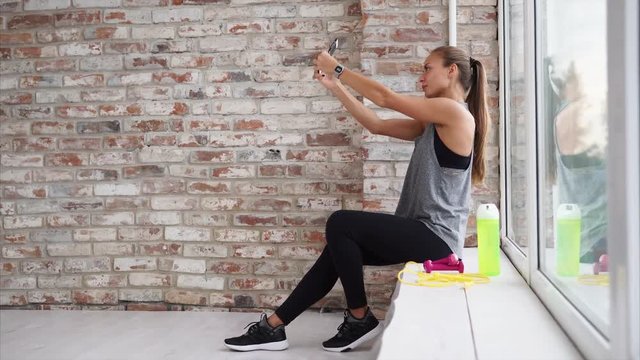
(183, 335)
(500, 320)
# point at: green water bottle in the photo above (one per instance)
(488, 230)
(568, 222)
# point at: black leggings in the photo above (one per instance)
(354, 239)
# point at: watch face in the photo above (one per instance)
(338, 69)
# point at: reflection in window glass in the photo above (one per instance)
(517, 217)
(574, 115)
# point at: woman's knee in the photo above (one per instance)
(337, 222)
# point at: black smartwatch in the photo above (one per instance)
(338, 71)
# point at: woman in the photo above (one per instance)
(431, 217)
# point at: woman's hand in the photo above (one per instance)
(325, 62)
(328, 81)
(323, 70)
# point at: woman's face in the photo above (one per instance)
(435, 78)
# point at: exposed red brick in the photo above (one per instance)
(29, 21)
(16, 38)
(55, 65)
(18, 98)
(78, 18)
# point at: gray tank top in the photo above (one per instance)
(434, 195)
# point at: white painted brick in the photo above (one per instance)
(205, 250)
(69, 249)
(18, 282)
(116, 189)
(201, 282)
(102, 63)
(181, 233)
(237, 235)
(221, 204)
(162, 108)
(134, 264)
(120, 218)
(19, 160)
(223, 43)
(98, 234)
(173, 203)
(113, 249)
(283, 107)
(13, 297)
(80, 49)
(137, 78)
(206, 219)
(152, 33)
(22, 222)
(150, 279)
(46, 4)
(8, 82)
(322, 11)
(237, 107)
(197, 30)
(319, 203)
(161, 155)
(254, 251)
(326, 106)
(96, 3)
(279, 139)
(7, 208)
(95, 264)
(158, 218)
(106, 280)
(180, 15)
(189, 266)
(140, 295)
(15, 175)
(48, 296)
(61, 281)
(58, 95)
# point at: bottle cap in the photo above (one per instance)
(569, 212)
(488, 211)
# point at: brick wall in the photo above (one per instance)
(162, 154)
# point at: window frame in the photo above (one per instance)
(623, 182)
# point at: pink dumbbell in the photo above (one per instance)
(602, 265)
(450, 262)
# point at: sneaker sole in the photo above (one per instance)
(363, 339)
(272, 346)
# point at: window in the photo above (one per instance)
(571, 164)
(516, 115)
(573, 123)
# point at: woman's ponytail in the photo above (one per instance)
(476, 100)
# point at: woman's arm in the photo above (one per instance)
(438, 110)
(369, 88)
(405, 129)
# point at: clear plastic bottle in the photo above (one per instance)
(568, 222)
(488, 230)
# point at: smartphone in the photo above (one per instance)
(333, 46)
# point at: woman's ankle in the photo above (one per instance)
(359, 313)
(274, 320)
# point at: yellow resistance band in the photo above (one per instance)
(439, 279)
(594, 280)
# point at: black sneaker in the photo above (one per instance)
(260, 336)
(353, 332)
